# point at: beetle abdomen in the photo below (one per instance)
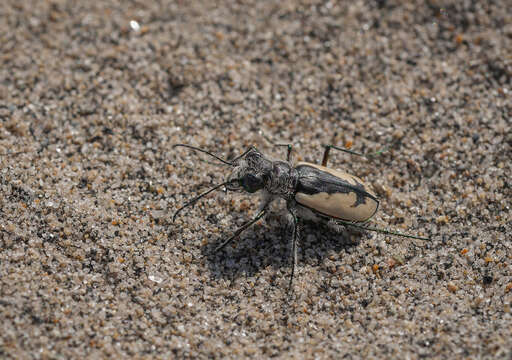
(334, 193)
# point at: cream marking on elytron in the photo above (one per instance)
(352, 201)
(311, 191)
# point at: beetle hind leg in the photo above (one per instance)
(338, 228)
(342, 229)
(328, 148)
(362, 226)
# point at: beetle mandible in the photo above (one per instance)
(310, 190)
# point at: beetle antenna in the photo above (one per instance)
(382, 231)
(194, 200)
(205, 152)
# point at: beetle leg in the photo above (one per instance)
(288, 146)
(266, 200)
(338, 228)
(325, 158)
(382, 231)
(194, 200)
(240, 230)
(294, 222)
(289, 153)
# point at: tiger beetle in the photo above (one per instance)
(311, 191)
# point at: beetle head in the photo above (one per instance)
(251, 173)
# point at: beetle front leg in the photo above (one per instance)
(266, 200)
(240, 230)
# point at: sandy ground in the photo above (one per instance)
(95, 93)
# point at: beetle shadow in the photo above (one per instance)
(268, 245)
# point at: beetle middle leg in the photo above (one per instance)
(292, 210)
(288, 146)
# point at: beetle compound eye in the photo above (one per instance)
(251, 183)
(233, 184)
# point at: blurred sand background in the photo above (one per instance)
(95, 93)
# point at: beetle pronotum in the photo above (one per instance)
(310, 190)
